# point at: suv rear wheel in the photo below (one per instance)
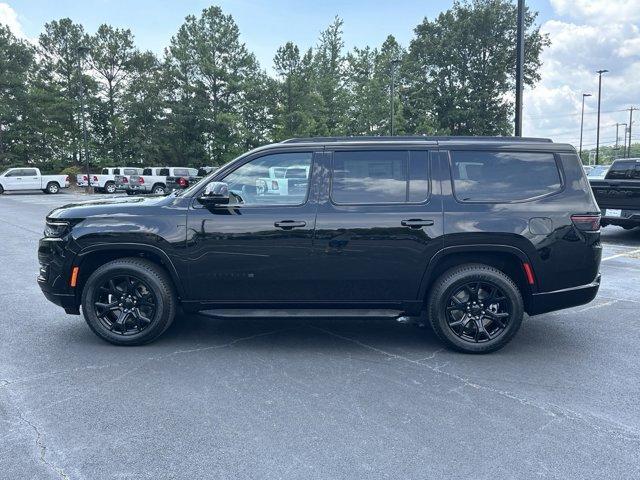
(129, 301)
(475, 308)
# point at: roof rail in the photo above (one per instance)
(414, 138)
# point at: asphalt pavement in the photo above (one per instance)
(326, 398)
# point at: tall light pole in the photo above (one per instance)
(519, 68)
(630, 125)
(584, 95)
(624, 145)
(82, 51)
(599, 72)
(392, 92)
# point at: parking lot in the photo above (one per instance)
(323, 398)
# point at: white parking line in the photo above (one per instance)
(624, 254)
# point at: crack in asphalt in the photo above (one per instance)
(39, 438)
(623, 431)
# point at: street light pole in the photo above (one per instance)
(519, 68)
(599, 72)
(582, 122)
(392, 93)
(624, 145)
(630, 125)
(81, 53)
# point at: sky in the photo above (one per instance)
(586, 35)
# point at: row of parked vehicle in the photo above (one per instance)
(135, 180)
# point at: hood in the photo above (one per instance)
(125, 206)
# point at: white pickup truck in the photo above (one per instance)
(154, 180)
(105, 181)
(15, 179)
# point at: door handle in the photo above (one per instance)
(416, 223)
(290, 224)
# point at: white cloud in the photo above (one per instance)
(9, 18)
(601, 35)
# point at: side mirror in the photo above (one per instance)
(215, 193)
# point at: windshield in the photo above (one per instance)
(4, 171)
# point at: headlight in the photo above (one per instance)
(56, 229)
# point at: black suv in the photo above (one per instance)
(618, 194)
(469, 232)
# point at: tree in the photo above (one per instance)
(112, 55)
(16, 61)
(295, 96)
(460, 68)
(220, 82)
(330, 80)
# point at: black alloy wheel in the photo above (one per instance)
(125, 304)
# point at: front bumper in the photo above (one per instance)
(53, 276)
(559, 299)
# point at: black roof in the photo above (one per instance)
(416, 138)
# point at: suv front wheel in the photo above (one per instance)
(475, 308)
(129, 301)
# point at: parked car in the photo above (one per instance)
(618, 193)
(598, 171)
(183, 179)
(469, 232)
(82, 179)
(154, 180)
(105, 181)
(17, 179)
(123, 179)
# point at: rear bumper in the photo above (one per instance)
(559, 299)
(627, 218)
(137, 188)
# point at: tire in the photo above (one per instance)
(53, 188)
(120, 323)
(129, 192)
(158, 190)
(479, 327)
(110, 188)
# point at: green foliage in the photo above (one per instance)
(208, 100)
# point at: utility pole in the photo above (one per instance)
(630, 124)
(519, 68)
(81, 53)
(599, 72)
(617, 136)
(582, 122)
(624, 145)
(392, 93)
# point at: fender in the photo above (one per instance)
(135, 246)
(446, 251)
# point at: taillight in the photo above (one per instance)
(125, 180)
(85, 178)
(140, 180)
(66, 180)
(182, 182)
(274, 185)
(586, 223)
(95, 179)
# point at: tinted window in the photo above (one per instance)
(622, 169)
(147, 171)
(105, 171)
(29, 172)
(380, 176)
(14, 173)
(164, 172)
(116, 171)
(181, 172)
(483, 176)
(254, 183)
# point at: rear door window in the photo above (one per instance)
(147, 171)
(380, 176)
(500, 177)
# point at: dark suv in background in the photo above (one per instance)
(618, 193)
(471, 232)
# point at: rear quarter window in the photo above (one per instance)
(502, 177)
(181, 172)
